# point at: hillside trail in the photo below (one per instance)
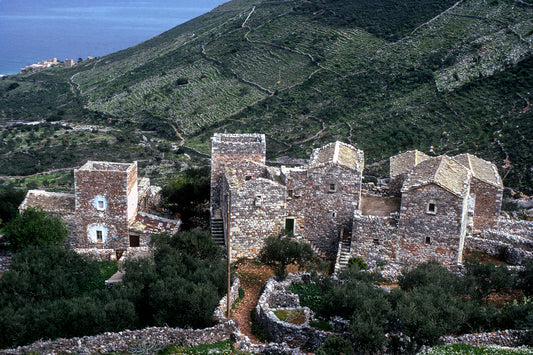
(253, 277)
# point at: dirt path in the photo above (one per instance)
(253, 277)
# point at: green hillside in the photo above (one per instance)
(386, 75)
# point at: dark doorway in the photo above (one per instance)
(289, 226)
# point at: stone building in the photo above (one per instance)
(109, 210)
(253, 201)
(425, 215)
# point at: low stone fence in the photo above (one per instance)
(147, 340)
(510, 338)
(277, 297)
(221, 313)
(112, 254)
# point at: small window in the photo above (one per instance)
(134, 241)
(428, 240)
(376, 241)
(334, 214)
(258, 201)
(432, 208)
(290, 193)
(248, 177)
(100, 204)
(332, 187)
(99, 236)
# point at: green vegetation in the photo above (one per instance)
(10, 199)
(388, 76)
(34, 227)
(281, 251)
(187, 193)
(294, 316)
(430, 302)
(52, 292)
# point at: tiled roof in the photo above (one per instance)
(481, 169)
(49, 201)
(442, 171)
(404, 162)
(338, 153)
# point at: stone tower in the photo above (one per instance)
(227, 150)
(106, 202)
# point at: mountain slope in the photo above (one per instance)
(386, 75)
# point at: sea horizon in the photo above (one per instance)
(76, 29)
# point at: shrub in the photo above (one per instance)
(360, 262)
(34, 227)
(281, 251)
(335, 345)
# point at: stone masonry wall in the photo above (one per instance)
(374, 238)
(113, 187)
(258, 211)
(488, 204)
(326, 210)
(228, 150)
(276, 297)
(443, 227)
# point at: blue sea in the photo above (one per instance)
(36, 30)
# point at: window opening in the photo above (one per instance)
(99, 236)
(432, 208)
(291, 193)
(334, 214)
(332, 187)
(248, 177)
(376, 241)
(100, 204)
(135, 241)
(428, 240)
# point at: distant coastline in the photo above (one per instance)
(64, 29)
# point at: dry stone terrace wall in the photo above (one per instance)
(275, 297)
(444, 227)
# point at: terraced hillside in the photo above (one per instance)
(386, 75)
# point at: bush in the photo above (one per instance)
(10, 199)
(335, 345)
(281, 251)
(34, 227)
(360, 262)
(183, 283)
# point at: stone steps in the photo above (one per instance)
(217, 231)
(343, 255)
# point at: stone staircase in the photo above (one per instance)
(343, 254)
(217, 231)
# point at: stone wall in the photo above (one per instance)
(374, 238)
(221, 313)
(326, 196)
(228, 150)
(431, 235)
(276, 297)
(258, 211)
(103, 194)
(142, 341)
(488, 203)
